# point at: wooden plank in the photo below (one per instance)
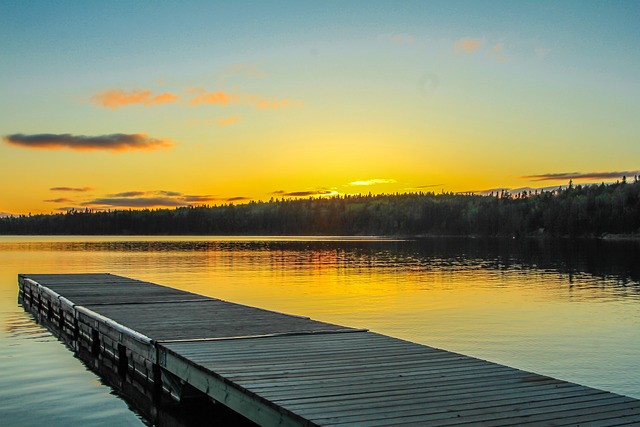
(208, 319)
(406, 408)
(333, 391)
(618, 418)
(509, 414)
(424, 391)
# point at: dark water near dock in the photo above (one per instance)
(566, 309)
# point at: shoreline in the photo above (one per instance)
(347, 237)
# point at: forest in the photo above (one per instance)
(572, 211)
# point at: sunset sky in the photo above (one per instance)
(109, 105)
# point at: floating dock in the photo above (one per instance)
(283, 370)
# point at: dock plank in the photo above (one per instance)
(105, 288)
(208, 319)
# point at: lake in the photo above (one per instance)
(566, 309)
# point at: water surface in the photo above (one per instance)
(566, 309)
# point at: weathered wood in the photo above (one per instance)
(279, 369)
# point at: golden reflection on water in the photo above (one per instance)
(528, 311)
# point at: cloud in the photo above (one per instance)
(564, 176)
(5, 214)
(220, 98)
(263, 104)
(422, 187)
(306, 193)
(76, 189)
(128, 194)
(135, 202)
(430, 186)
(237, 199)
(168, 193)
(148, 199)
(59, 200)
(468, 45)
(373, 182)
(227, 121)
(164, 193)
(199, 199)
(115, 99)
(114, 142)
(223, 98)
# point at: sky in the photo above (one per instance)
(132, 104)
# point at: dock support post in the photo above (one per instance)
(95, 343)
(122, 361)
(157, 383)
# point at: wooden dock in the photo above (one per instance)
(282, 370)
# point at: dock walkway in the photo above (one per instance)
(283, 370)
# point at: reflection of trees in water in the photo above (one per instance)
(615, 261)
(612, 260)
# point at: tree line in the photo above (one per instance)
(573, 211)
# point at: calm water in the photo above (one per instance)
(569, 310)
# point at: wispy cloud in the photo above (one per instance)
(75, 189)
(220, 97)
(114, 142)
(468, 45)
(305, 193)
(263, 104)
(423, 187)
(129, 194)
(169, 193)
(225, 121)
(148, 199)
(237, 199)
(59, 200)
(134, 202)
(373, 182)
(198, 199)
(224, 98)
(430, 186)
(564, 176)
(118, 98)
